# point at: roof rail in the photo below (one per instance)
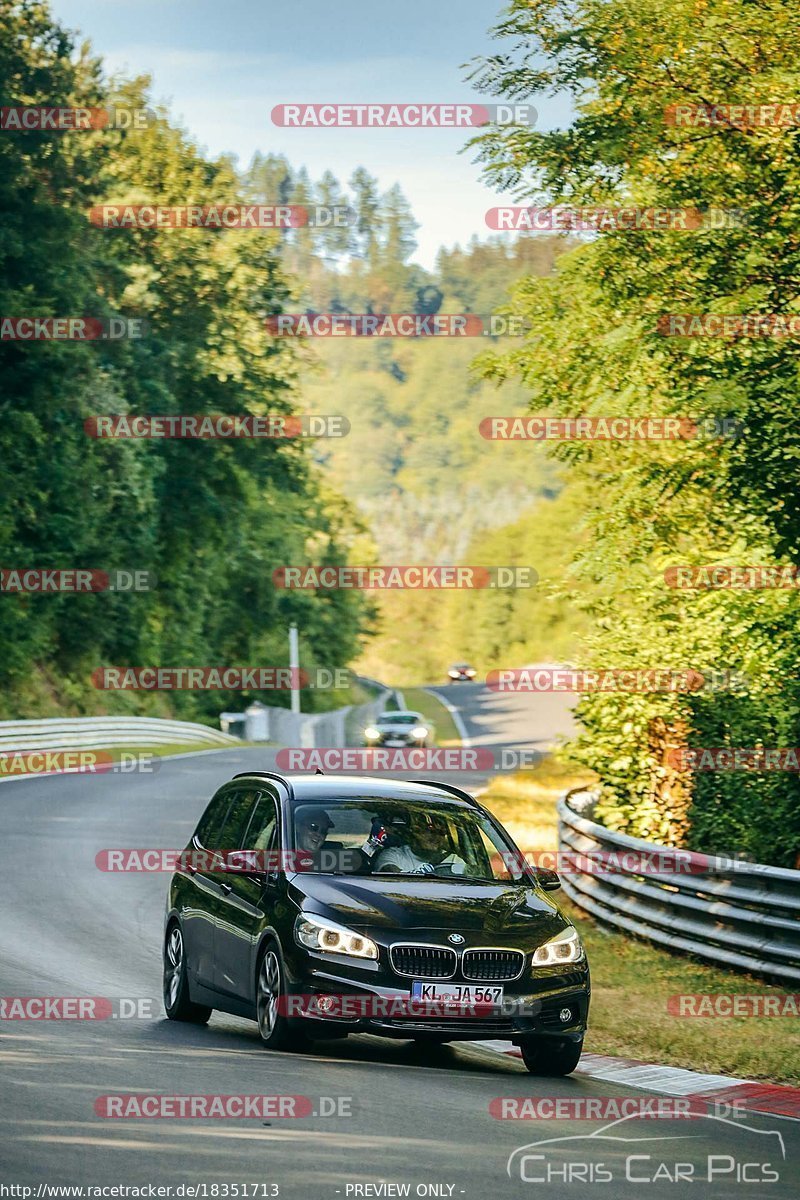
(448, 787)
(287, 783)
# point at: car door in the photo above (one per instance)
(200, 891)
(247, 898)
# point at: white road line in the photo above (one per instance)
(458, 720)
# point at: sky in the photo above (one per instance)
(221, 66)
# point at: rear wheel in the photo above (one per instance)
(551, 1056)
(177, 1003)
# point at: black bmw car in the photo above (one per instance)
(322, 905)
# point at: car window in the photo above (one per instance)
(263, 828)
(454, 839)
(211, 822)
(237, 820)
(493, 856)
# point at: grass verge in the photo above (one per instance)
(632, 980)
(434, 711)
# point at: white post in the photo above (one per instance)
(294, 666)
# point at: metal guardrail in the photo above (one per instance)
(726, 911)
(98, 732)
(310, 731)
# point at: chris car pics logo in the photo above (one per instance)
(717, 1151)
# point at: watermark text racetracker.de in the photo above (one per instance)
(379, 758)
(729, 325)
(224, 426)
(467, 1000)
(734, 1004)
(19, 763)
(623, 218)
(408, 115)
(606, 429)
(609, 1108)
(736, 578)
(147, 860)
(221, 216)
(71, 329)
(72, 580)
(46, 118)
(399, 325)
(414, 577)
(219, 678)
(734, 758)
(615, 679)
(764, 115)
(182, 1107)
(78, 1008)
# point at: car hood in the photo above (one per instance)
(428, 904)
(397, 726)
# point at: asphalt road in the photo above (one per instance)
(517, 727)
(403, 1116)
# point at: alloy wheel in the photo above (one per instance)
(173, 967)
(269, 988)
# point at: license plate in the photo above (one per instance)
(457, 993)
(394, 742)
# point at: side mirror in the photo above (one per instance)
(548, 880)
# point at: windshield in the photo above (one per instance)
(399, 718)
(401, 837)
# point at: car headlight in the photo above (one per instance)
(371, 732)
(565, 947)
(315, 933)
(419, 731)
(454, 674)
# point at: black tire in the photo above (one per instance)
(177, 1004)
(551, 1056)
(274, 1029)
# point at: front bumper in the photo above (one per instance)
(396, 741)
(369, 998)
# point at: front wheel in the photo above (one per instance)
(177, 1004)
(551, 1056)
(274, 1028)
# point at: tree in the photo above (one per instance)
(209, 520)
(596, 350)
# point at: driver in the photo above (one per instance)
(425, 851)
(311, 830)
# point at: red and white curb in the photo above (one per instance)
(772, 1098)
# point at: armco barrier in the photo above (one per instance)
(311, 731)
(96, 732)
(735, 914)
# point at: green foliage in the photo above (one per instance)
(596, 351)
(421, 634)
(210, 519)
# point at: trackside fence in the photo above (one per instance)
(98, 732)
(729, 912)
